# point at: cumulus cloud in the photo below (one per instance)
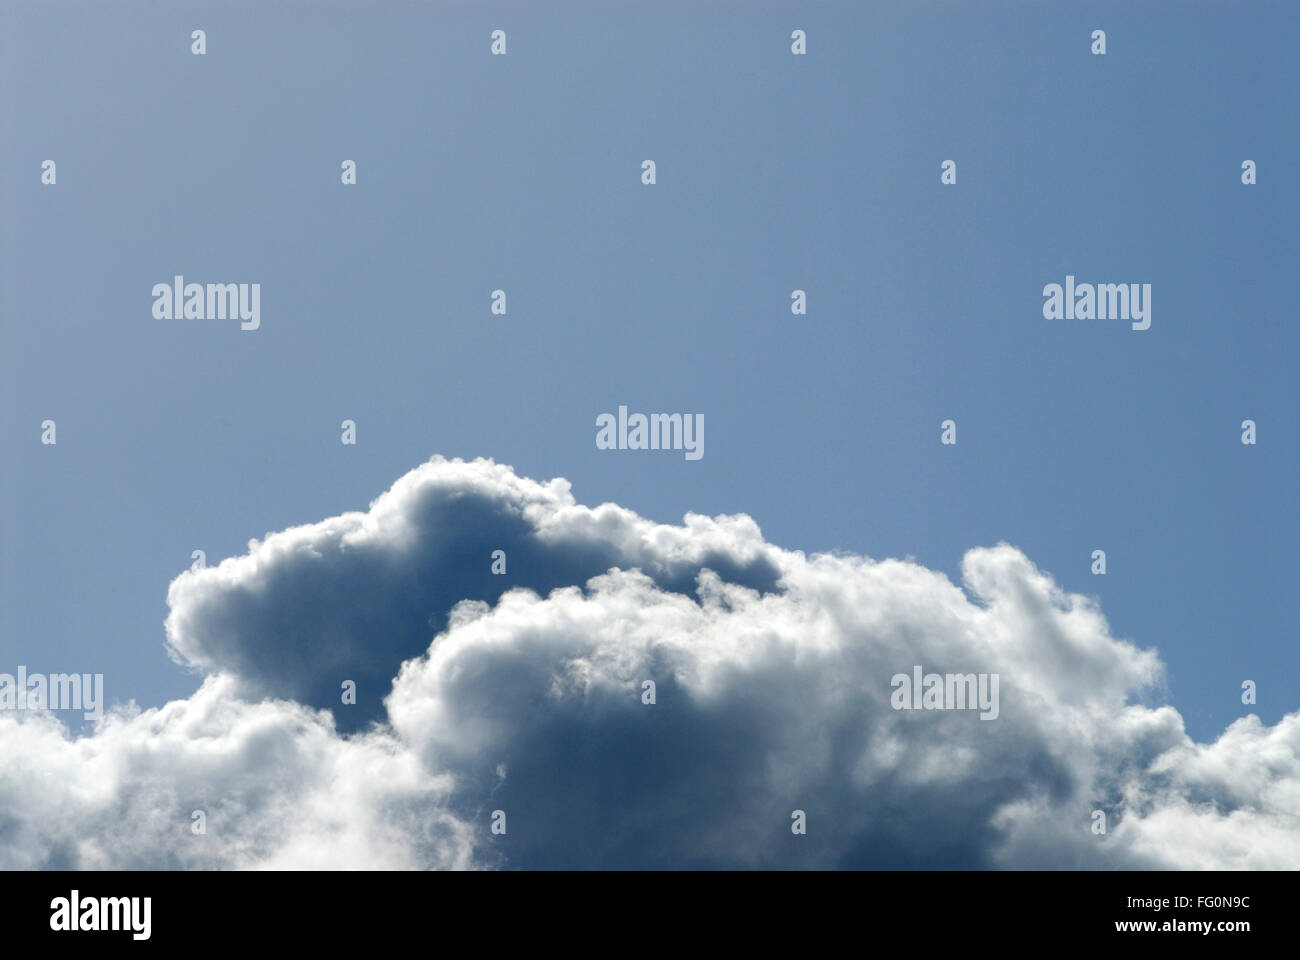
(354, 596)
(274, 784)
(523, 693)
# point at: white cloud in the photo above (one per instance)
(773, 682)
(277, 785)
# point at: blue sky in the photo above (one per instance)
(775, 172)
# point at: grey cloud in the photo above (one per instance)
(522, 693)
(352, 597)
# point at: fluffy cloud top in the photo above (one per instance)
(523, 693)
(354, 596)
